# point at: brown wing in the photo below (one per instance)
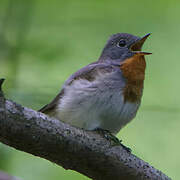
(88, 72)
(47, 109)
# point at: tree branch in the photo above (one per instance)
(72, 148)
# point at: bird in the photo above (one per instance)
(105, 94)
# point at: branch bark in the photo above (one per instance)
(72, 148)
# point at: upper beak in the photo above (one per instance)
(137, 46)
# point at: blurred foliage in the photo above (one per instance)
(43, 42)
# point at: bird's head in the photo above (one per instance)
(122, 46)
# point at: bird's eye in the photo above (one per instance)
(121, 43)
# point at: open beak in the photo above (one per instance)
(137, 46)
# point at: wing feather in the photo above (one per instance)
(89, 73)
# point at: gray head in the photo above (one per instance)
(121, 46)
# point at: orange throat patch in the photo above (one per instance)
(133, 70)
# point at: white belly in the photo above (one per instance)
(95, 105)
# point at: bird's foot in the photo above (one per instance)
(110, 137)
(125, 147)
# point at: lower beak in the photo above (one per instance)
(137, 46)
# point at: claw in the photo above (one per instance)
(110, 137)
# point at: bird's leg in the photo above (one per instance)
(110, 137)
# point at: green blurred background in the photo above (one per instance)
(43, 42)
